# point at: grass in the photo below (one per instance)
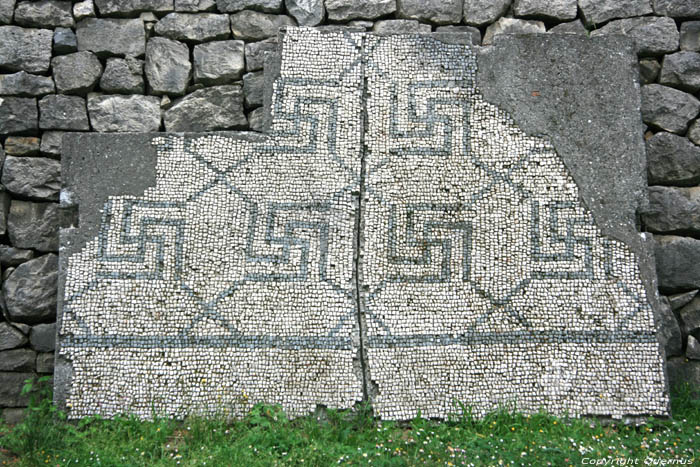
(267, 437)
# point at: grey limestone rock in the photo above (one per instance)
(30, 291)
(649, 70)
(25, 84)
(667, 108)
(677, 262)
(63, 113)
(253, 89)
(690, 36)
(42, 337)
(76, 73)
(559, 10)
(64, 41)
(44, 362)
(673, 210)
(44, 13)
(11, 337)
(345, 10)
(600, 11)
(33, 225)
(132, 7)
(22, 145)
(123, 76)
(652, 35)
(677, 8)
(14, 415)
(255, 53)
(194, 5)
(681, 372)
(692, 350)
(18, 115)
(11, 384)
(215, 108)
(195, 27)
(107, 37)
(672, 160)
(679, 300)
(690, 316)
(11, 256)
(482, 12)
(471, 30)
(135, 113)
(694, 132)
(84, 9)
(167, 66)
(32, 177)
(218, 62)
(233, 6)
(51, 143)
(25, 49)
(306, 12)
(256, 119)
(432, 11)
(572, 27)
(400, 26)
(18, 360)
(7, 8)
(681, 70)
(512, 26)
(254, 26)
(669, 331)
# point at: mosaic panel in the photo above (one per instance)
(395, 238)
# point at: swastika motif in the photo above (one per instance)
(395, 238)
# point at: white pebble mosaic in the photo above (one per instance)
(396, 238)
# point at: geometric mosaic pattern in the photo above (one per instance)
(396, 238)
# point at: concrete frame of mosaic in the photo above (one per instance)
(403, 235)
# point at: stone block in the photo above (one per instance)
(308, 12)
(473, 32)
(123, 76)
(652, 35)
(679, 300)
(400, 26)
(25, 49)
(255, 26)
(51, 143)
(512, 26)
(30, 291)
(677, 8)
(63, 113)
(18, 115)
(33, 225)
(44, 13)
(42, 337)
(7, 9)
(430, 11)
(107, 37)
(11, 256)
(346, 10)
(22, 146)
(18, 360)
(76, 73)
(694, 132)
(572, 27)
(266, 6)
(32, 177)
(167, 66)
(253, 89)
(681, 70)
(84, 9)
(668, 109)
(670, 335)
(255, 53)
(482, 12)
(215, 108)
(195, 27)
(649, 69)
(673, 210)
(672, 160)
(133, 113)
(556, 10)
(11, 337)
(132, 7)
(64, 41)
(218, 62)
(196, 5)
(692, 350)
(682, 371)
(44, 363)
(26, 85)
(600, 11)
(677, 262)
(11, 385)
(690, 36)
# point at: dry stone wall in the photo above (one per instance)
(196, 65)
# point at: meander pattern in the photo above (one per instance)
(396, 238)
